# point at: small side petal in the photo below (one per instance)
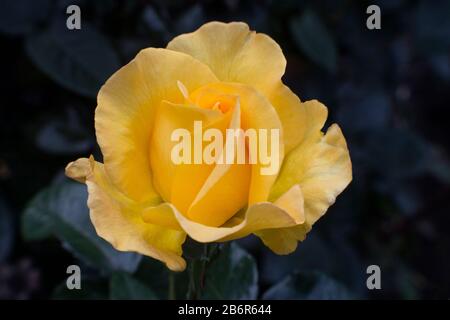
(283, 241)
(78, 170)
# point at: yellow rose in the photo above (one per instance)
(225, 76)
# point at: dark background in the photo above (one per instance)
(388, 89)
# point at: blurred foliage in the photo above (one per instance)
(311, 36)
(61, 210)
(307, 286)
(388, 89)
(124, 287)
(233, 275)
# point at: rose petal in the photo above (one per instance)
(236, 54)
(257, 113)
(125, 113)
(118, 220)
(169, 178)
(321, 166)
(285, 212)
(227, 184)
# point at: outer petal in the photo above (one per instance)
(117, 218)
(284, 240)
(292, 114)
(125, 113)
(287, 211)
(321, 166)
(236, 54)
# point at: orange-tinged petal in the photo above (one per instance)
(195, 189)
(257, 113)
(236, 54)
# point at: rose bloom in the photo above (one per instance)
(227, 77)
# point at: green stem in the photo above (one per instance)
(197, 272)
(172, 293)
(192, 287)
(205, 260)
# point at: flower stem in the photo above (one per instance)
(205, 260)
(197, 271)
(192, 286)
(172, 293)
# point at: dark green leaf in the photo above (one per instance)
(18, 17)
(334, 257)
(64, 135)
(193, 249)
(438, 165)
(441, 65)
(433, 26)
(61, 210)
(156, 275)
(232, 275)
(80, 60)
(190, 20)
(36, 219)
(312, 37)
(124, 287)
(396, 153)
(307, 286)
(363, 110)
(152, 20)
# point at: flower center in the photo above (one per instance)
(209, 98)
